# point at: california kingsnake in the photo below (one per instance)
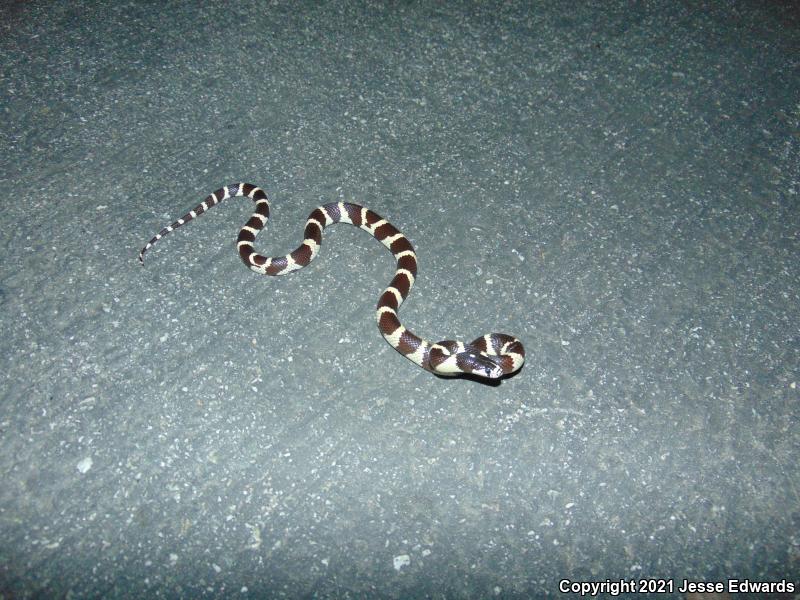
(491, 356)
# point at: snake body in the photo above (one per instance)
(490, 356)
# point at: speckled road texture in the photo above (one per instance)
(614, 183)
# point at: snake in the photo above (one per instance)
(490, 356)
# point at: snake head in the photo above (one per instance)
(490, 356)
(480, 364)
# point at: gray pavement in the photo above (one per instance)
(614, 183)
